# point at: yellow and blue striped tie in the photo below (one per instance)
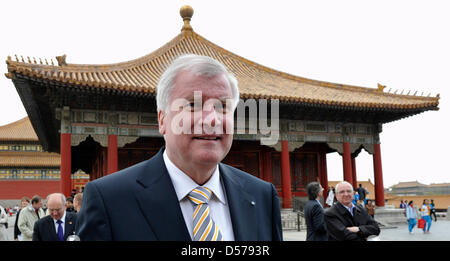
(205, 229)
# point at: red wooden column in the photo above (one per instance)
(378, 175)
(286, 175)
(324, 174)
(347, 162)
(354, 183)
(66, 164)
(112, 160)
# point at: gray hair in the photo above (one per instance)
(63, 198)
(313, 190)
(198, 65)
(341, 183)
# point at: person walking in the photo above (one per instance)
(425, 213)
(315, 224)
(355, 198)
(411, 215)
(433, 211)
(331, 198)
(362, 193)
(17, 234)
(29, 216)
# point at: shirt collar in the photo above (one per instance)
(319, 202)
(183, 184)
(350, 209)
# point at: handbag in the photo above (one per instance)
(421, 223)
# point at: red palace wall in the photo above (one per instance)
(16, 189)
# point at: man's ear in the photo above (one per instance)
(161, 122)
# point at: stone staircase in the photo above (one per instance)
(291, 220)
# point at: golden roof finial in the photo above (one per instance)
(381, 87)
(186, 12)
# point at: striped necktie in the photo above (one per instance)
(205, 229)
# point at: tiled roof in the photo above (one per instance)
(436, 185)
(29, 159)
(409, 184)
(21, 130)
(255, 81)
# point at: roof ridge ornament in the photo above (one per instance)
(186, 12)
(61, 60)
(381, 87)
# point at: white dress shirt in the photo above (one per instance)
(219, 209)
(63, 224)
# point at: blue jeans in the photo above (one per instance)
(411, 224)
(427, 223)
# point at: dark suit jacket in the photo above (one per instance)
(140, 203)
(315, 223)
(338, 218)
(44, 228)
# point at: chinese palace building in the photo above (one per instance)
(25, 169)
(102, 118)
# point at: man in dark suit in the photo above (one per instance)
(346, 221)
(315, 224)
(59, 224)
(162, 198)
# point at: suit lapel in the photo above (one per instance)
(350, 221)
(242, 211)
(357, 215)
(51, 228)
(68, 225)
(158, 202)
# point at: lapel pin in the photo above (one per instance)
(70, 222)
(253, 203)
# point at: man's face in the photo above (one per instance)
(56, 207)
(344, 194)
(69, 204)
(189, 141)
(76, 205)
(24, 203)
(37, 205)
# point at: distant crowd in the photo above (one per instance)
(34, 217)
(421, 216)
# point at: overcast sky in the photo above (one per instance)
(404, 45)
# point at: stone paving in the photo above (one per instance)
(440, 231)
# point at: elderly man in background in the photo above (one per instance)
(345, 221)
(59, 224)
(28, 216)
